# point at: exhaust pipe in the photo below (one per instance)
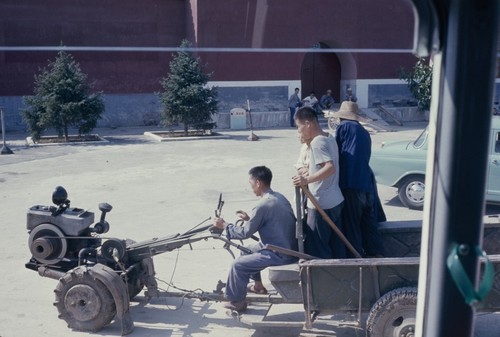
(50, 273)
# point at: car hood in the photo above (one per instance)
(394, 146)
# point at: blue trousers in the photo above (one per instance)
(292, 114)
(248, 266)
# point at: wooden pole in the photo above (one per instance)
(330, 222)
(5, 149)
(252, 135)
(299, 231)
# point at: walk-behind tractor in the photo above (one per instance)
(97, 276)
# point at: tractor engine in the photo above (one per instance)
(97, 277)
(58, 239)
(62, 237)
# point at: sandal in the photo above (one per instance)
(252, 289)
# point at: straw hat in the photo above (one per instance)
(348, 110)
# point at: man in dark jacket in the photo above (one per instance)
(362, 209)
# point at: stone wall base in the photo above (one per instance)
(268, 119)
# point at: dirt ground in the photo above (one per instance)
(156, 189)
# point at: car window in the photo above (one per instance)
(422, 139)
(497, 143)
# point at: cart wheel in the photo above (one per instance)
(333, 122)
(83, 301)
(393, 315)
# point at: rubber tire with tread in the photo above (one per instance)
(84, 302)
(135, 287)
(135, 283)
(393, 315)
(402, 191)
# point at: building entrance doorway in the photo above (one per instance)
(320, 72)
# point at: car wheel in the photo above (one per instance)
(411, 192)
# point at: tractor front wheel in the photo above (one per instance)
(83, 301)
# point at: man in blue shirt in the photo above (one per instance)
(293, 103)
(362, 210)
(274, 220)
(326, 102)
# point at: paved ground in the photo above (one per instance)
(156, 189)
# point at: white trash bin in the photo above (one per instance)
(238, 119)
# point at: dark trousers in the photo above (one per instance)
(360, 224)
(292, 114)
(320, 240)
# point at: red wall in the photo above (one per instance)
(303, 24)
(142, 23)
(217, 23)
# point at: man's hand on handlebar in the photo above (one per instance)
(222, 224)
(219, 222)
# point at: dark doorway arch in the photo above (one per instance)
(320, 72)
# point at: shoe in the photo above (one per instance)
(252, 289)
(235, 305)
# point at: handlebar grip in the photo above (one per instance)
(104, 207)
(216, 230)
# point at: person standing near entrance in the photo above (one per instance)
(293, 103)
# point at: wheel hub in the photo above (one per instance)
(406, 328)
(416, 191)
(82, 302)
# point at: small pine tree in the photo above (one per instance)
(186, 98)
(62, 99)
(419, 81)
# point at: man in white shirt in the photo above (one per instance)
(310, 101)
(322, 179)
